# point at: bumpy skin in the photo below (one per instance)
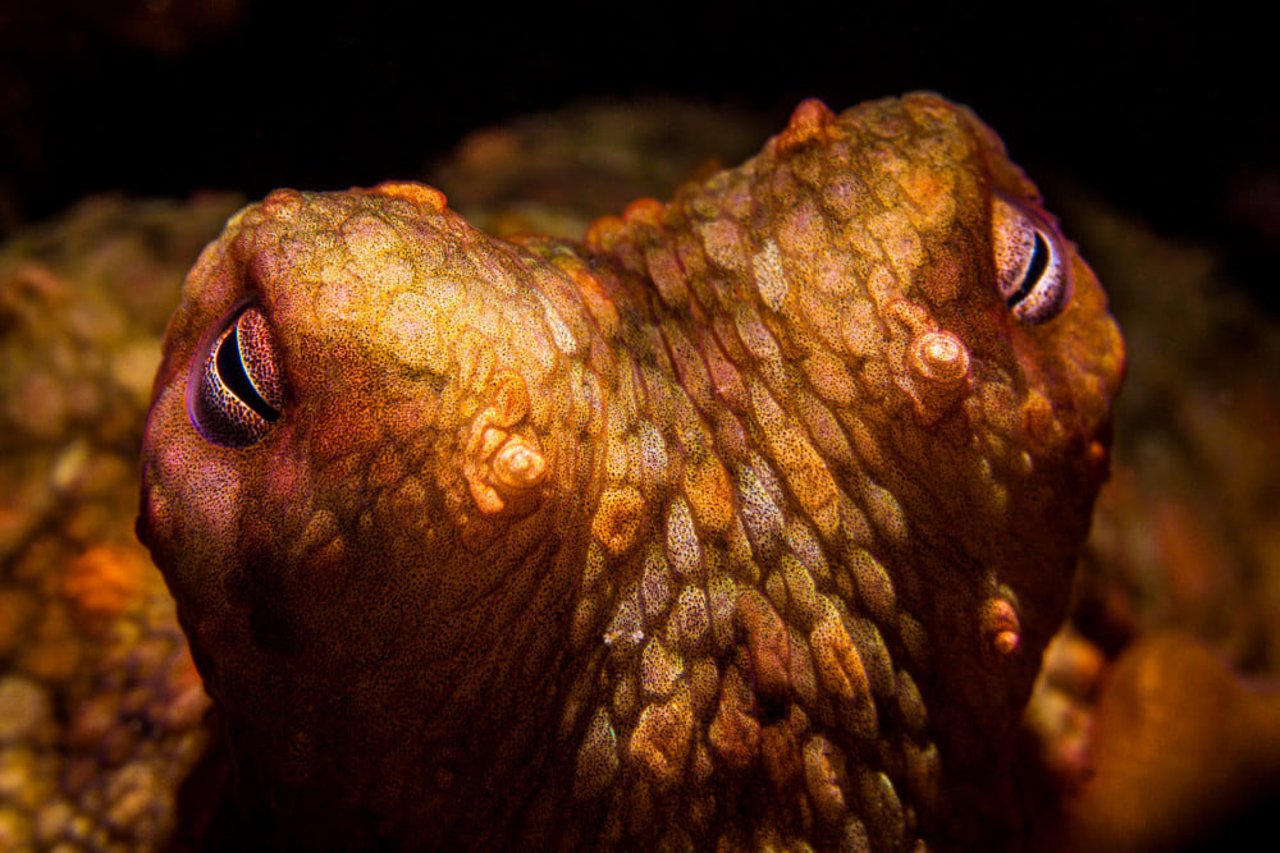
(745, 522)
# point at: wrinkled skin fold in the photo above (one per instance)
(746, 520)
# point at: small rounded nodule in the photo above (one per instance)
(940, 357)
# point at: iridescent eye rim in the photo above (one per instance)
(236, 391)
(1033, 268)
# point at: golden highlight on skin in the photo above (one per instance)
(742, 523)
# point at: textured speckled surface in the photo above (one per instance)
(745, 521)
(1199, 350)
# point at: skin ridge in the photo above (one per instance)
(742, 522)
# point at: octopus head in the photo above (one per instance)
(355, 471)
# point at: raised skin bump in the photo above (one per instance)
(743, 522)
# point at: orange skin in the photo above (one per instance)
(745, 521)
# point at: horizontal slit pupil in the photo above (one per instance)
(1035, 269)
(232, 373)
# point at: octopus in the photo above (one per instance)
(742, 522)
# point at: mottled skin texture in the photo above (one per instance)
(745, 521)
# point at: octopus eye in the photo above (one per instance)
(237, 390)
(1033, 272)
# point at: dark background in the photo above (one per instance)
(1167, 113)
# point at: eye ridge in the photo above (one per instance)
(1033, 266)
(231, 370)
(236, 393)
(1035, 269)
